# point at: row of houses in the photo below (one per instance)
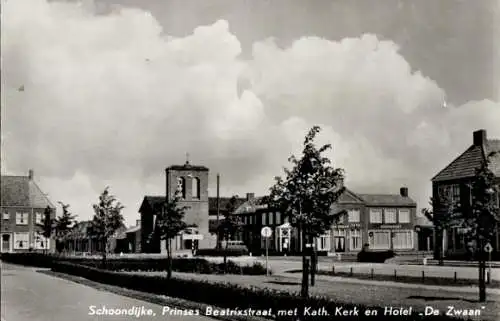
(382, 221)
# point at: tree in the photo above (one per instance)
(481, 220)
(307, 193)
(63, 225)
(107, 220)
(169, 223)
(47, 227)
(446, 214)
(229, 225)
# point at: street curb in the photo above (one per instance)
(152, 298)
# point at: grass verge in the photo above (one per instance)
(406, 279)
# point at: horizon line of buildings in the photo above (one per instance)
(382, 221)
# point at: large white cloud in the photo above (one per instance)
(90, 100)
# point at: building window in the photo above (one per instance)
(402, 240)
(449, 192)
(404, 216)
(379, 240)
(390, 216)
(22, 218)
(271, 218)
(355, 240)
(181, 187)
(6, 216)
(264, 215)
(455, 193)
(324, 242)
(341, 219)
(21, 241)
(375, 216)
(353, 216)
(279, 219)
(41, 243)
(38, 218)
(195, 187)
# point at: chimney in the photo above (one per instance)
(479, 137)
(137, 222)
(403, 191)
(30, 174)
(250, 196)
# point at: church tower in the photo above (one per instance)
(192, 183)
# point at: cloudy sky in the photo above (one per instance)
(112, 92)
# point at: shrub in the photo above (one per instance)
(375, 256)
(225, 295)
(220, 252)
(187, 265)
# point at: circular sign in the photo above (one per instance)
(266, 231)
(488, 248)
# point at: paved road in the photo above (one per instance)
(28, 295)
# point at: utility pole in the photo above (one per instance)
(482, 273)
(218, 211)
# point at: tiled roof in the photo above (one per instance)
(251, 206)
(21, 191)
(152, 202)
(188, 167)
(387, 200)
(223, 203)
(348, 197)
(466, 164)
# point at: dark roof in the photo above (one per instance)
(223, 202)
(387, 200)
(465, 165)
(251, 206)
(152, 202)
(348, 197)
(187, 167)
(21, 191)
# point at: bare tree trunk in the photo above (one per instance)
(225, 255)
(305, 267)
(169, 258)
(104, 248)
(313, 261)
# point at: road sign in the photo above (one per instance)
(488, 248)
(266, 231)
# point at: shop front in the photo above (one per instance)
(346, 238)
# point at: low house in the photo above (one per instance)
(23, 205)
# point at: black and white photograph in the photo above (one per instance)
(250, 160)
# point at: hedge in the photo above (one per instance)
(375, 256)
(224, 295)
(222, 251)
(188, 265)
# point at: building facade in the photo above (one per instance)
(23, 206)
(384, 222)
(80, 240)
(191, 182)
(453, 183)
